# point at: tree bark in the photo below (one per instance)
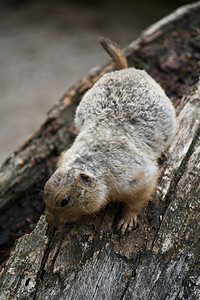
(89, 259)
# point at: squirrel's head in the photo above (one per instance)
(69, 195)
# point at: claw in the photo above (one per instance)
(127, 223)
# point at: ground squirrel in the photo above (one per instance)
(124, 122)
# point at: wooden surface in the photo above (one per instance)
(89, 259)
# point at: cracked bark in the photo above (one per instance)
(89, 259)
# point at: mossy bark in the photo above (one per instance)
(89, 259)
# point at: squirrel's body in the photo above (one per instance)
(124, 122)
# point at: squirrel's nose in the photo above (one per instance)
(49, 218)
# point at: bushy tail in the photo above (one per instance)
(116, 54)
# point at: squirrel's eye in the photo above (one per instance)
(65, 201)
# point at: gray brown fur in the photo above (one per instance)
(117, 56)
(124, 122)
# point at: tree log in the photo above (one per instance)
(89, 259)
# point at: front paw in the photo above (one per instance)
(127, 223)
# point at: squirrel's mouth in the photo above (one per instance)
(51, 220)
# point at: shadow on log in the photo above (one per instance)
(88, 259)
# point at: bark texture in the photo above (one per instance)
(89, 259)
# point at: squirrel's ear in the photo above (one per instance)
(86, 179)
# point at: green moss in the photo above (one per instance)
(138, 66)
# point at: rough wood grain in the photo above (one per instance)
(88, 259)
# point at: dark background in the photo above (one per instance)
(46, 46)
